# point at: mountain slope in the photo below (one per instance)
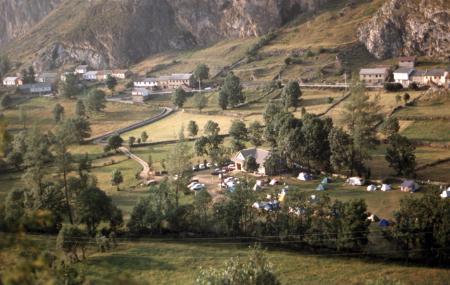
(117, 33)
(18, 16)
(409, 27)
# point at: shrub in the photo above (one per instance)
(392, 87)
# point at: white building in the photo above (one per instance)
(121, 73)
(146, 83)
(403, 76)
(90, 75)
(11, 81)
(374, 76)
(47, 77)
(260, 156)
(139, 95)
(81, 69)
(36, 88)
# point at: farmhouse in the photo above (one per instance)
(12, 81)
(139, 95)
(175, 80)
(47, 77)
(81, 69)
(260, 156)
(121, 73)
(407, 61)
(36, 88)
(102, 75)
(403, 76)
(90, 76)
(373, 76)
(436, 77)
(418, 76)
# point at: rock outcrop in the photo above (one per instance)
(116, 33)
(17, 17)
(409, 27)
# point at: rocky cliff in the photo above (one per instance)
(409, 27)
(17, 17)
(116, 33)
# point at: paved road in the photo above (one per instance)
(145, 173)
(101, 138)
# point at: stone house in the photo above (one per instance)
(374, 76)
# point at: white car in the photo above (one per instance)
(209, 165)
(202, 166)
(197, 187)
(192, 184)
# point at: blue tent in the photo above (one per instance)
(384, 223)
(321, 187)
(326, 180)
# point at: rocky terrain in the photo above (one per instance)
(18, 16)
(409, 27)
(116, 33)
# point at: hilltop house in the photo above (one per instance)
(260, 156)
(12, 81)
(403, 76)
(36, 88)
(81, 69)
(90, 75)
(407, 61)
(47, 77)
(175, 80)
(121, 73)
(374, 76)
(102, 75)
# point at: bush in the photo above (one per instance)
(392, 87)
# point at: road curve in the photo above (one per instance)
(145, 173)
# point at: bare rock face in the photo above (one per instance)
(115, 33)
(17, 17)
(409, 27)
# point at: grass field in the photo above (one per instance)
(116, 115)
(437, 173)
(435, 131)
(425, 108)
(178, 263)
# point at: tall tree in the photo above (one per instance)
(80, 109)
(6, 102)
(200, 101)
(58, 113)
(69, 87)
(192, 129)
(179, 166)
(255, 133)
(144, 136)
(361, 116)
(390, 126)
(341, 150)
(111, 83)
(179, 97)
(400, 155)
(201, 72)
(239, 135)
(80, 127)
(232, 91)
(114, 142)
(291, 95)
(117, 178)
(96, 101)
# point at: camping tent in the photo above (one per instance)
(303, 176)
(326, 180)
(355, 181)
(409, 186)
(321, 187)
(386, 187)
(373, 218)
(384, 223)
(371, 188)
(273, 182)
(445, 194)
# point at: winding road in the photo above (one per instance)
(145, 173)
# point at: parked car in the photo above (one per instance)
(202, 166)
(195, 168)
(198, 187)
(209, 165)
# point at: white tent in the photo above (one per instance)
(386, 187)
(321, 187)
(371, 188)
(356, 181)
(445, 194)
(256, 187)
(273, 182)
(303, 176)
